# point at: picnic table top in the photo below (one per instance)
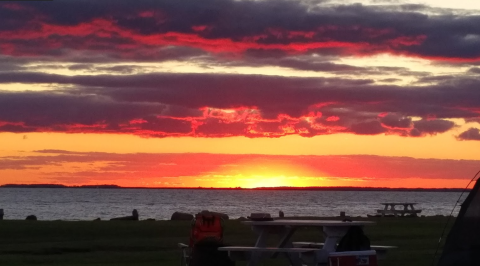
(398, 203)
(399, 211)
(285, 222)
(273, 249)
(319, 244)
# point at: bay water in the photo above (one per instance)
(74, 204)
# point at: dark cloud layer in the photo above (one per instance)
(140, 30)
(291, 34)
(214, 105)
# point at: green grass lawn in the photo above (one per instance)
(155, 242)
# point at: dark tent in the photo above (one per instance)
(462, 247)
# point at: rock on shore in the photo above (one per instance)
(223, 215)
(31, 218)
(181, 216)
(133, 217)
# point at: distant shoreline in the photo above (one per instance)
(239, 188)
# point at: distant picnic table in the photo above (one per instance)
(390, 208)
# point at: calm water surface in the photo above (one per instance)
(88, 204)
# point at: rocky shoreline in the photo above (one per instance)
(183, 216)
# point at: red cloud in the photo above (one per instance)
(12, 6)
(147, 14)
(103, 32)
(269, 25)
(333, 118)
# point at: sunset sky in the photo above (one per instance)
(223, 93)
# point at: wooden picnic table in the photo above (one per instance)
(390, 208)
(333, 231)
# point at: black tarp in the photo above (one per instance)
(462, 246)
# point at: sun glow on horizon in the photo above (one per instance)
(256, 181)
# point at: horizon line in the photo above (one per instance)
(111, 186)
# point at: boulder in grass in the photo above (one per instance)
(222, 215)
(181, 216)
(133, 217)
(31, 218)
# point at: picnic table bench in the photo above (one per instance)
(244, 253)
(390, 208)
(380, 250)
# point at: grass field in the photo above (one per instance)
(155, 242)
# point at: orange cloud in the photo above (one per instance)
(223, 170)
